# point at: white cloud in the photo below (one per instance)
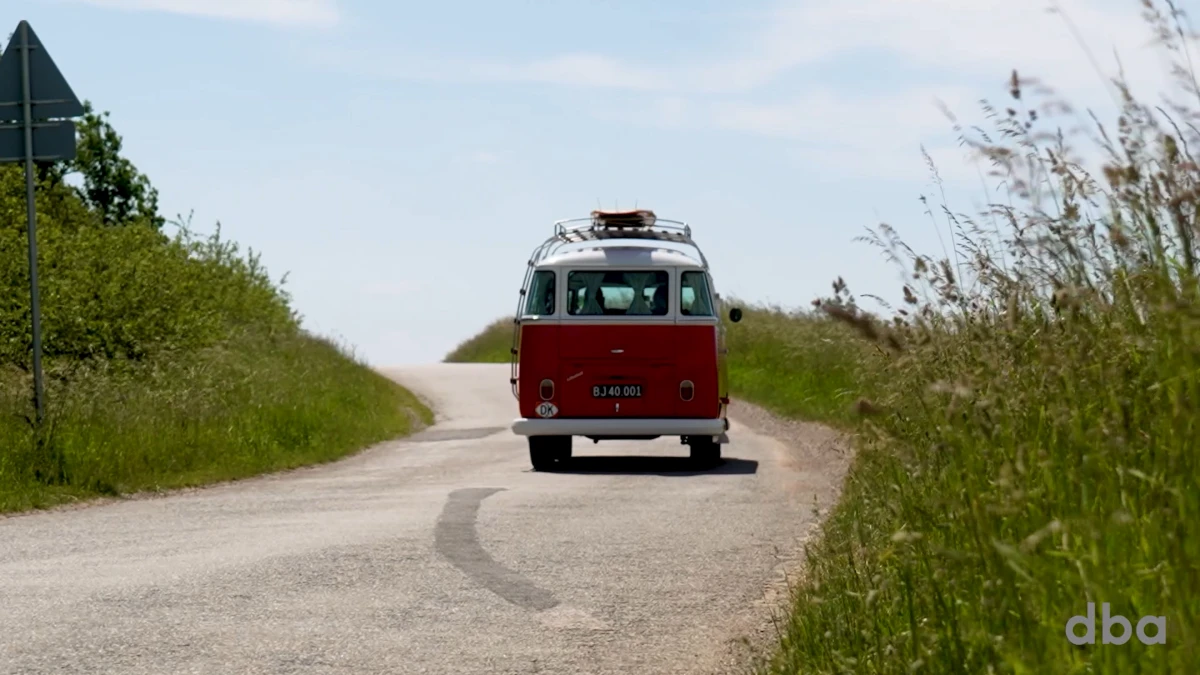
(869, 134)
(869, 117)
(982, 38)
(307, 13)
(485, 157)
(959, 52)
(476, 158)
(578, 70)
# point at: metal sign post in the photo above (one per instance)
(34, 97)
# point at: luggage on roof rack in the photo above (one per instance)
(624, 219)
(641, 225)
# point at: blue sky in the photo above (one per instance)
(399, 160)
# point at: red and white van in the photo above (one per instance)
(619, 337)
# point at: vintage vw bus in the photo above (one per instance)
(618, 337)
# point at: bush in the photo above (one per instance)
(168, 360)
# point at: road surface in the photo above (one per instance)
(441, 553)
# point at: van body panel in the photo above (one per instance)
(610, 360)
(639, 369)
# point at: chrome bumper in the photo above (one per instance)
(619, 427)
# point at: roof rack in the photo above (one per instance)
(641, 225)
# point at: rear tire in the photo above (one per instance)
(704, 450)
(547, 453)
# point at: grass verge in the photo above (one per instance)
(1026, 423)
(244, 407)
(490, 345)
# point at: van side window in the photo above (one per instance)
(541, 294)
(620, 293)
(694, 299)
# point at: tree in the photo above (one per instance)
(112, 185)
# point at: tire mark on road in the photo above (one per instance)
(437, 435)
(456, 538)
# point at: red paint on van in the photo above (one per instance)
(655, 357)
(538, 354)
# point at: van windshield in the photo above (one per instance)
(617, 292)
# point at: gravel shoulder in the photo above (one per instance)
(817, 458)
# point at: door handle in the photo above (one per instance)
(618, 351)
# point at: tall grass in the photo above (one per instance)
(797, 364)
(1032, 436)
(1028, 423)
(248, 405)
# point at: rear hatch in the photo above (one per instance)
(622, 370)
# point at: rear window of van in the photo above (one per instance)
(618, 292)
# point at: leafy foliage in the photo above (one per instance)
(112, 185)
(123, 291)
(170, 360)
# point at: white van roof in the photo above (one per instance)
(622, 256)
(619, 238)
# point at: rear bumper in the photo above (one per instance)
(583, 426)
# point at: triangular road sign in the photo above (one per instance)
(52, 96)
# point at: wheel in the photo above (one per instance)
(705, 450)
(546, 452)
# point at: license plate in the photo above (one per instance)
(617, 391)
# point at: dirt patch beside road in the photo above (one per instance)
(817, 458)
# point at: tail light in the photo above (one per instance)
(546, 389)
(687, 390)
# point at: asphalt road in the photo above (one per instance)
(441, 553)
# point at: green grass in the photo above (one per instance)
(242, 408)
(796, 364)
(1027, 424)
(170, 361)
(491, 345)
